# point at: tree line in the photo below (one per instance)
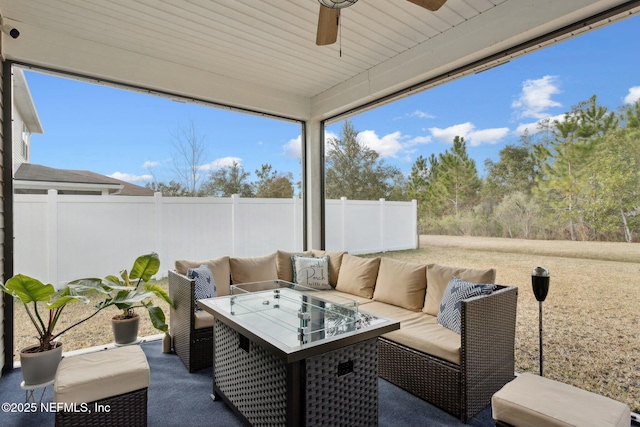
(575, 178)
(233, 179)
(188, 154)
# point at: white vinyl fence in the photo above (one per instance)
(59, 238)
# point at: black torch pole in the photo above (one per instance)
(540, 329)
(540, 282)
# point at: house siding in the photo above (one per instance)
(2, 228)
(18, 156)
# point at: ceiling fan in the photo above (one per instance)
(329, 17)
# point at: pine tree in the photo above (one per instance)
(355, 171)
(613, 210)
(457, 184)
(565, 171)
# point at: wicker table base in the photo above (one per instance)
(337, 388)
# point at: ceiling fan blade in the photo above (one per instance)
(431, 5)
(327, 26)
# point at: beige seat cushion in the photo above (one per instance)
(419, 331)
(284, 265)
(358, 275)
(394, 312)
(335, 262)
(438, 277)
(338, 297)
(202, 319)
(219, 270)
(95, 376)
(531, 400)
(253, 269)
(426, 335)
(401, 283)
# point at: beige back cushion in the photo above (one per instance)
(284, 265)
(256, 269)
(335, 262)
(219, 270)
(401, 283)
(358, 275)
(438, 277)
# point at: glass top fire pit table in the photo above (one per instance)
(286, 356)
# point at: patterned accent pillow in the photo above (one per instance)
(311, 271)
(457, 290)
(205, 285)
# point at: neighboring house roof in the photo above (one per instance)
(38, 177)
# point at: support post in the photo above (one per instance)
(52, 237)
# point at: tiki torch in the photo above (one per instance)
(540, 282)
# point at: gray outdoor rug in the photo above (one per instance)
(177, 398)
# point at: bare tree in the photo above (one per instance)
(188, 153)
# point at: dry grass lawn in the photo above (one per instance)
(591, 327)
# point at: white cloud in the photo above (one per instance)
(220, 163)
(468, 131)
(533, 126)
(535, 97)
(447, 134)
(422, 115)
(293, 148)
(130, 178)
(633, 95)
(387, 146)
(149, 164)
(391, 145)
(488, 136)
(420, 140)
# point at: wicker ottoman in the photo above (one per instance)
(531, 400)
(107, 388)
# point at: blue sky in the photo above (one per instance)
(129, 135)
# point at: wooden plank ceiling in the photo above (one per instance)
(265, 44)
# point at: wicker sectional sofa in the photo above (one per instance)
(456, 372)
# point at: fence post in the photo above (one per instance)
(159, 246)
(416, 238)
(234, 211)
(343, 225)
(295, 230)
(52, 237)
(382, 208)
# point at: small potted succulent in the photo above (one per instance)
(40, 361)
(130, 290)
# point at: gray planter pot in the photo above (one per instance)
(125, 331)
(40, 368)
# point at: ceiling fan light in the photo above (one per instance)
(337, 4)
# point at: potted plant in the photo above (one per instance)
(128, 291)
(40, 361)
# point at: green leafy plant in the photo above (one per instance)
(132, 289)
(32, 291)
